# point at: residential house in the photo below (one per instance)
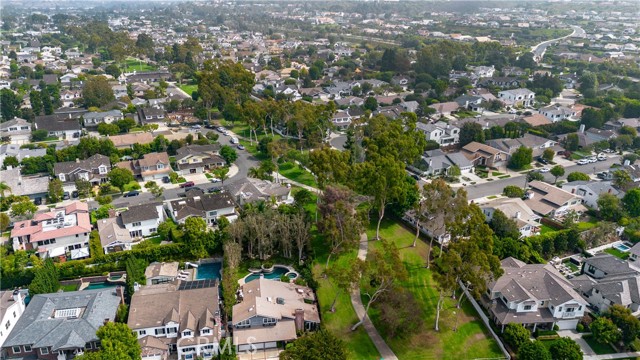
(151, 114)
(445, 109)
(62, 325)
(195, 159)
(527, 221)
(504, 82)
(442, 133)
(617, 124)
(143, 220)
(484, 155)
(341, 119)
(11, 308)
(93, 169)
(483, 71)
(62, 126)
(19, 153)
(93, 119)
(60, 232)
(517, 97)
(17, 131)
(470, 102)
(126, 141)
(634, 252)
(536, 120)
(32, 186)
(558, 113)
(590, 137)
(590, 191)
(161, 272)
(269, 312)
(210, 207)
(148, 77)
(253, 190)
(537, 143)
(437, 162)
(607, 280)
(152, 166)
(114, 236)
(547, 200)
(152, 348)
(184, 315)
(534, 295)
(68, 97)
(433, 227)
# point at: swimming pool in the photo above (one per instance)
(99, 285)
(622, 247)
(208, 271)
(276, 274)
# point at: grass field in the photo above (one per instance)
(189, 88)
(617, 253)
(67, 288)
(137, 65)
(295, 173)
(597, 347)
(470, 341)
(544, 229)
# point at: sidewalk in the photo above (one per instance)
(356, 300)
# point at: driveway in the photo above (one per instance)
(577, 337)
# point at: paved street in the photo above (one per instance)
(495, 187)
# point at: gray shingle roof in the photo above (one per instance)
(38, 328)
(140, 213)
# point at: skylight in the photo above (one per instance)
(67, 313)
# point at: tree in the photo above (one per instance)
(370, 103)
(55, 191)
(471, 131)
(605, 331)
(609, 207)
(108, 129)
(318, 345)
(504, 227)
(338, 220)
(97, 92)
(521, 158)
(23, 208)
(631, 201)
(628, 324)
(195, 229)
(578, 176)
(4, 187)
(383, 270)
(9, 104)
(302, 198)
(565, 349)
(36, 102)
(572, 142)
(154, 188)
(117, 341)
(513, 191)
(397, 313)
(10, 162)
(534, 176)
(39, 135)
(345, 276)
(45, 280)
(222, 173)
(621, 179)
(4, 221)
(119, 177)
(516, 335)
(126, 124)
(548, 154)
(83, 187)
(228, 153)
(557, 171)
(113, 70)
(533, 350)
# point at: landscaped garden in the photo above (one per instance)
(617, 253)
(294, 172)
(597, 347)
(469, 340)
(189, 88)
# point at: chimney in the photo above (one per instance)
(581, 130)
(517, 215)
(120, 293)
(609, 191)
(299, 319)
(627, 162)
(77, 161)
(69, 115)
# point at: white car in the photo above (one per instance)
(593, 160)
(215, 180)
(545, 170)
(583, 162)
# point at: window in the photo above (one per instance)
(243, 324)
(172, 330)
(27, 348)
(268, 321)
(88, 346)
(213, 213)
(206, 331)
(142, 332)
(186, 333)
(14, 314)
(7, 325)
(152, 230)
(160, 166)
(527, 307)
(560, 308)
(44, 351)
(15, 349)
(160, 331)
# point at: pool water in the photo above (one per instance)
(209, 271)
(622, 247)
(99, 285)
(276, 274)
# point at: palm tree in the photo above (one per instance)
(4, 187)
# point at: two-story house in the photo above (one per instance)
(210, 207)
(558, 113)
(514, 208)
(93, 169)
(271, 311)
(143, 220)
(485, 155)
(60, 232)
(64, 127)
(152, 166)
(607, 280)
(62, 325)
(185, 315)
(35, 187)
(11, 309)
(517, 97)
(252, 190)
(93, 119)
(437, 162)
(195, 159)
(440, 132)
(534, 295)
(151, 114)
(590, 191)
(17, 131)
(547, 200)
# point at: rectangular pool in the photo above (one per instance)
(209, 271)
(100, 285)
(622, 247)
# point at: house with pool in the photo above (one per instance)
(270, 311)
(184, 315)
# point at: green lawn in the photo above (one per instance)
(295, 173)
(571, 266)
(67, 288)
(586, 225)
(156, 240)
(188, 88)
(617, 253)
(137, 65)
(546, 229)
(471, 340)
(597, 347)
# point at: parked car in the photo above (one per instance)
(214, 189)
(215, 180)
(75, 194)
(542, 160)
(65, 196)
(593, 160)
(234, 140)
(166, 179)
(220, 129)
(602, 175)
(602, 157)
(240, 147)
(132, 193)
(545, 170)
(187, 184)
(193, 188)
(37, 201)
(196, 127)
(583, 162)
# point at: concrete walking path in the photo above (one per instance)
(356, 300)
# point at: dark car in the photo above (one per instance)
(132, 193)
(543, 161)
(415, 177)
(214, 189)
(37, 201)
(194, 188)
(187, 184)
(65, 196)
(166, 180)
(75, 194)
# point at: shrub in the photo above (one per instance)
(580, 327)
(513, 191)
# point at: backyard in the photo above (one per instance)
(132, 64)
(471, 340)
(617, 253)
(294, 172)
(188, 88)
(597, 347)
